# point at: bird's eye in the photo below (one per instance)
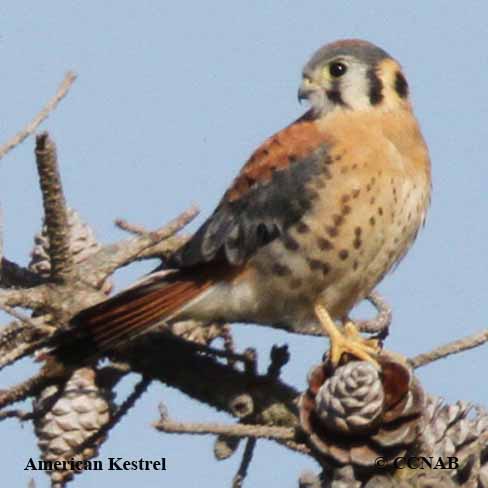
(337, 69)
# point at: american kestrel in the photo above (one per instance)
(318, 215)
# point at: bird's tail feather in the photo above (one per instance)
(124, 316)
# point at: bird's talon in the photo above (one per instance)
(348, 341)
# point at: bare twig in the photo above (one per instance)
(280, 355)
(18, 339)
(30, 387)
(453, 347)
(112, 257)
(245, 463)
(132, 228)
(236, 430)
(381, 323)
(229, 346)
(55, 210)
(18, 414)
(63, 89)
(250, 361)
(24, 318)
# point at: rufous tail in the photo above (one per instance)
(119, 319)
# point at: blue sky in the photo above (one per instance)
(171, 99)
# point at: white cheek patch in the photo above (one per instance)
(355, 89)
(319, 102)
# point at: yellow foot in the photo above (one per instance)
(348, 341)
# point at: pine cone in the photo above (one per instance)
(82, 244)
(453, 430)
(355, 415)
(352, 399)
(81, 410)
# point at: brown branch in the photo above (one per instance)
(24, 318)
(18, 414)
(20, 351)
(235, 430)
(453, 347)
(384, 316)
(241, 474)
(132, 228)
(62, 91)
(279, 356)
(31, 387)
(55, 210)
(114, 256)
(19, 338)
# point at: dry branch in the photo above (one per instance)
(17, 414)
(157, 243)
(237, 430)
(454, 347)
(62, 91)
(136, 229)
(245, 463)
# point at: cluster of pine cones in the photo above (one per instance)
(369, 427)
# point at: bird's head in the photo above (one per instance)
(353, 75)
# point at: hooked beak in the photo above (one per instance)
(307, 88)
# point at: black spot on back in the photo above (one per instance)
(343, 254)
(324, 244)
(375, 87)
(280, 269)
(295, 283)
(317, 265)
(338, 220)
(302, 228)
(401, 85)
(332, 231)
(290, 243)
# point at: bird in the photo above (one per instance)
(318, 215)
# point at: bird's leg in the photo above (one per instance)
(347, 341)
